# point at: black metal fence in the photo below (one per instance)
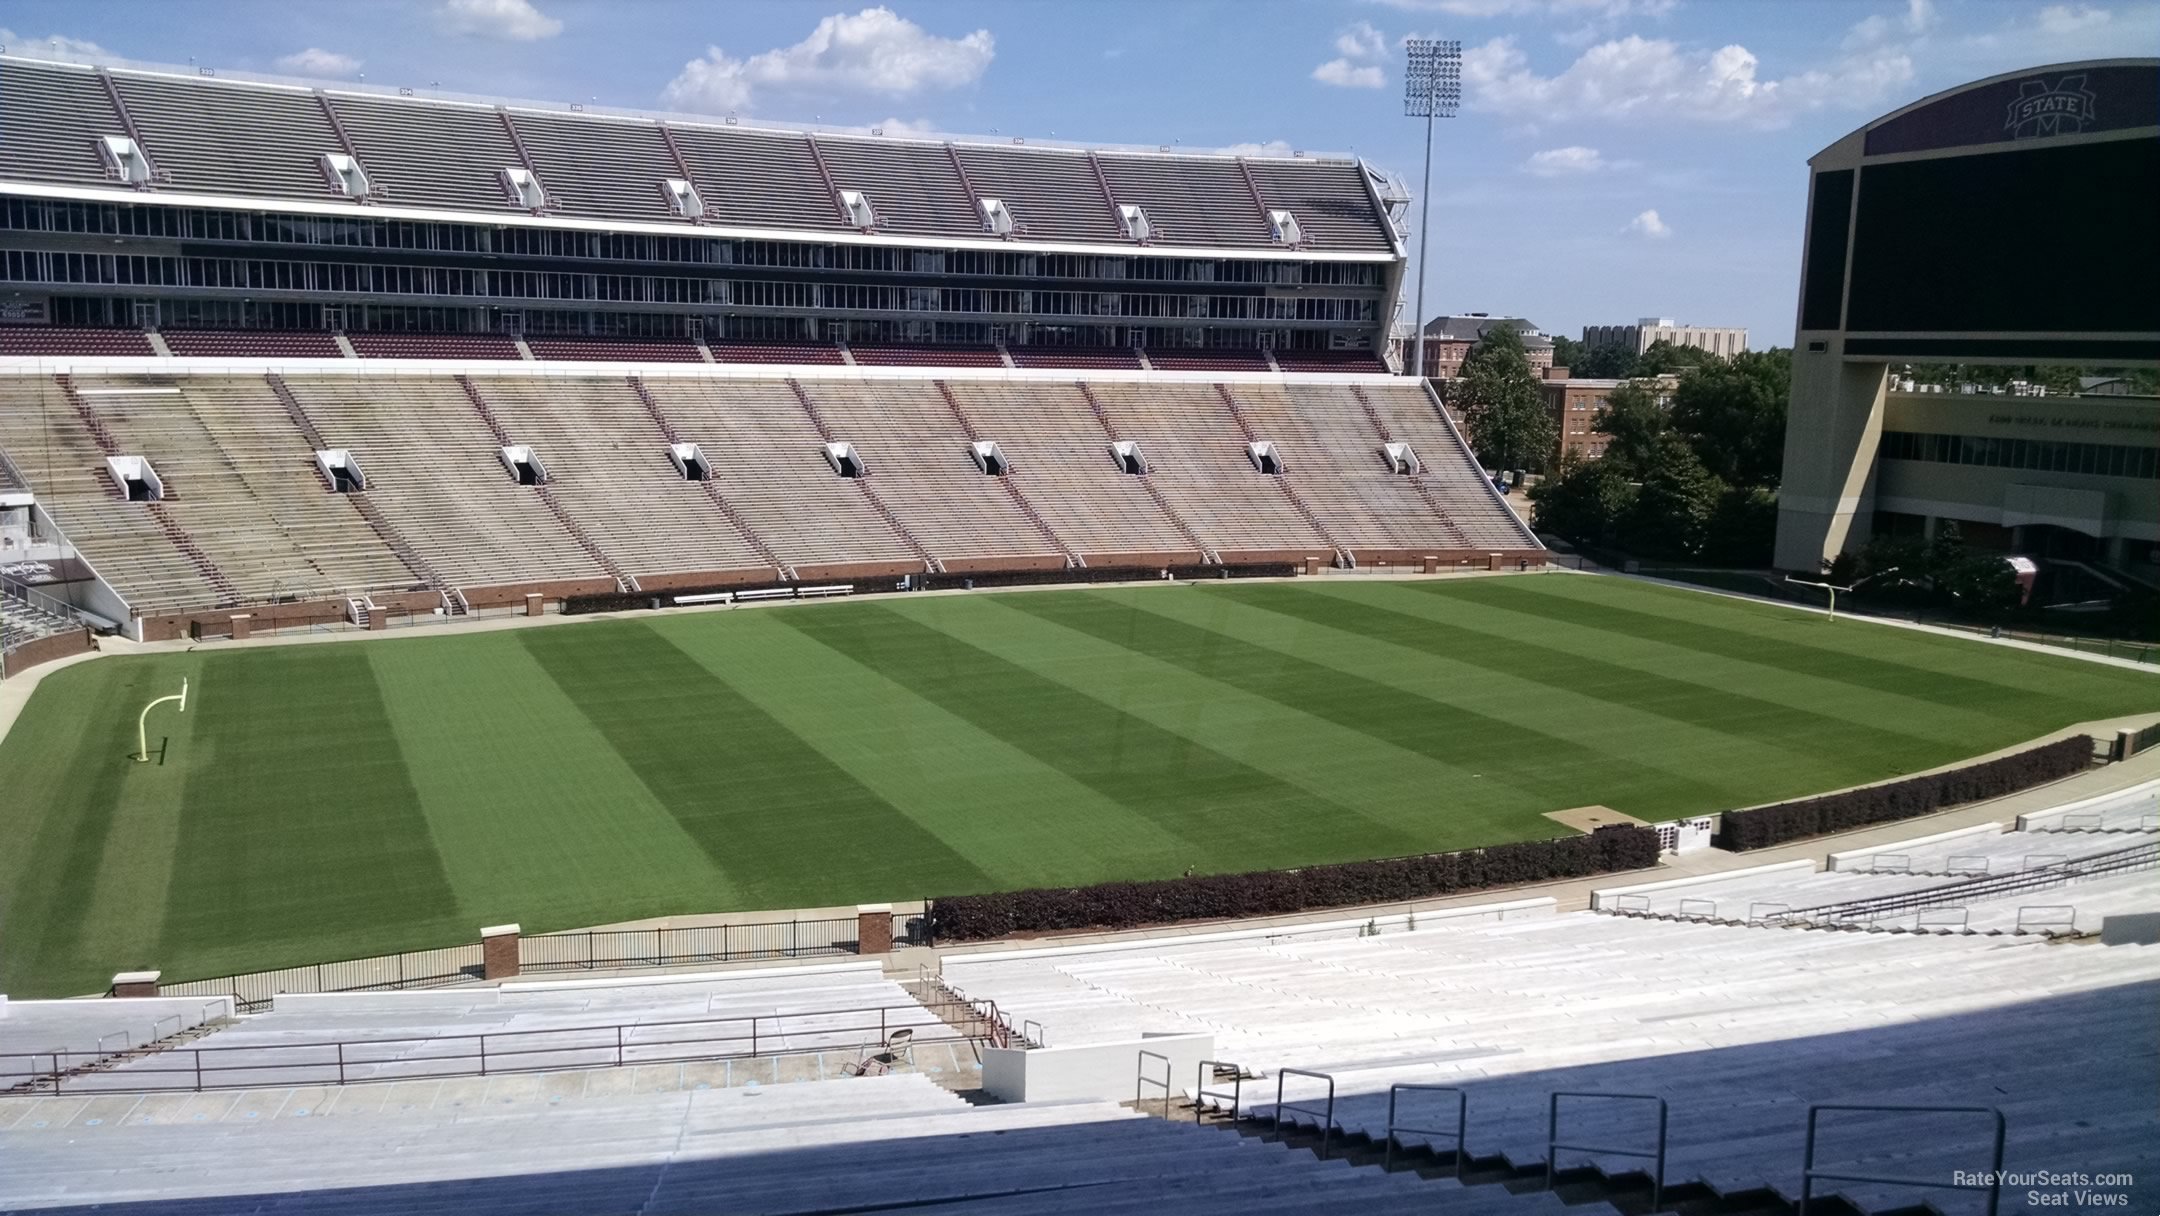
(596, 949)
(386, 973)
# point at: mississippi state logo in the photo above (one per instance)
(2041, 109)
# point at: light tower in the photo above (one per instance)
(1432, 88)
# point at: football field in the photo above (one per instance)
(324, 801)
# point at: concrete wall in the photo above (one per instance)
(1103, 1071)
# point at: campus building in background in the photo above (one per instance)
(2005, 222)
(1449, 339)
(1722, 341)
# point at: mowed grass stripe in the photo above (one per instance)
(1548, 767)
(768, 808)
(1241, 813)
(1687, 758)
(1403, 615)
(1927, 656)
(300, 835)
(1549, 599)
(1863, 709)
(536, 816)
(1008, 813)
(69, 778)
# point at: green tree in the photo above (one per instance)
(1733, 415)
(1567, 352)
(1510, 427)
(1744, 530)
(1663, 357)
(1633, 420)
(1606, 363)
(2057, 379)
(1584, 501)
(1672, 512)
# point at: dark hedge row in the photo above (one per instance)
(1124, 905)
(1765, 826)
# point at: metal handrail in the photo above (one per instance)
(1141, 1080)
(1993, 1185)
(1553, 1146)
(1462, 1122)
(1236, 1092)
(487, 1049)
(2137, 856)
(1327, 1115)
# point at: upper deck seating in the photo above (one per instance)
(56, 340)
(252, 343)
(433, 346)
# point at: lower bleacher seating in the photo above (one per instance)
(53, 340)
(248, 517)
(252, 343)
(433, 346)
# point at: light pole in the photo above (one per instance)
(1432, 88)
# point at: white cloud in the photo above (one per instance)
(1561, 162)
(2057, 20)
(907, 128)
(1346, 75)
(508, 20)
(1648, 224)
(1362, 41)
(1273, 147)
(51, 44)
(873, 51)
(1655, 79)
(316, 61)
(1605, 9)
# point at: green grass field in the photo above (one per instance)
(326, 801)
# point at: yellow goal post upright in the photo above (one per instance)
(142, 724)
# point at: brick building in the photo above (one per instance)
(1575, 402)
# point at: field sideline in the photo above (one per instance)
(326, 801)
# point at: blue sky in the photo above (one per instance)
(1614, 158)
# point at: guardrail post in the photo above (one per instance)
(498, 952)
(136, 983)
(340, 1062)
(1462, 1124)
(1657, 1155)
(873, 929)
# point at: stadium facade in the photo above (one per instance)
(273, 353)
(2007, 221)
(138, 198)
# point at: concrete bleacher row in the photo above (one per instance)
(348, 1038)
(863, 1144)
(1974, 879)
(248, 518)
(1738, 1030)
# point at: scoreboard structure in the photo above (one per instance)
(2008, 221)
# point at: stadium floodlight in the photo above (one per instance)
(142, 724)
(1432, 88)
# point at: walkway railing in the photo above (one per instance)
(611, 948)
(254, 992)
(2141, 856)
(491, 1053)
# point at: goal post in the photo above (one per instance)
(142, 723)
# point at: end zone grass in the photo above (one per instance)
(325, 801)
